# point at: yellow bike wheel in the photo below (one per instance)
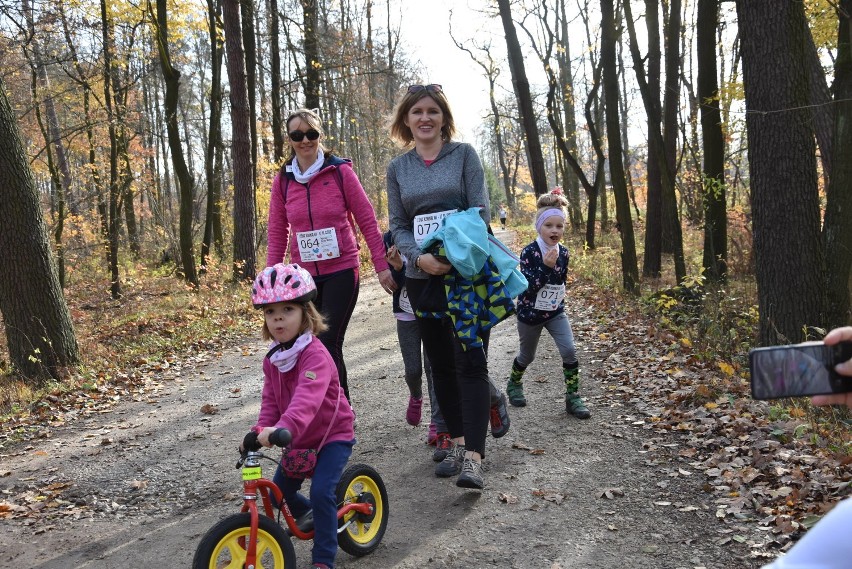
(223, 546)
(362, 533)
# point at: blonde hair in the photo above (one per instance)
(401, 133)
(311, 117)
(547, 203)
(311, 320)
(551, 200)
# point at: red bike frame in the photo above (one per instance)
(254, 484)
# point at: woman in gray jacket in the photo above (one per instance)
(435, 178)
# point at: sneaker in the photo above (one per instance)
(452, 463)
(443, 444)
(319, 566)
(432, 437)
(574, 406)
(515, 391)
(471, 475)
(415, 407)
(499, 417)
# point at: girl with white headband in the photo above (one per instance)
(544, 263)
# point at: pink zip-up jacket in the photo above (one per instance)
(302, 400)
(320, 204)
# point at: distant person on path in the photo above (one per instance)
(503, 216)
(414, 359)
(826, 545)
(315, 197)
(437, 177)
(545, 264)
(302, 394)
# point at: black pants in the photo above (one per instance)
(337, 294)
(460, 376)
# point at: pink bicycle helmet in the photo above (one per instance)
(283, 283)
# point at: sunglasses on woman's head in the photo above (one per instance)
(298, 135)
(434, 87)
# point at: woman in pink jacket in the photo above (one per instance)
(316, 201)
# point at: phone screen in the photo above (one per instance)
(797, 370)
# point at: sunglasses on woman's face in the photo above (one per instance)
(434, 87)
(298, 135)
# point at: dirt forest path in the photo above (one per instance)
(137, 486)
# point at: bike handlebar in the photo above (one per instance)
(279, 438)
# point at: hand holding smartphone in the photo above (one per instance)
(799, 370)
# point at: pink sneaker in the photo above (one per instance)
(415, 407)
(432, 437)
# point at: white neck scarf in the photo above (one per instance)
(285, 359)
(310, 172)
(545, 248)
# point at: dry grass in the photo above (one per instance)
(158, 318)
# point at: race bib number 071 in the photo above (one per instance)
(549, 297)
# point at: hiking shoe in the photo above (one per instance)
(574, 406)
(443, 444)
(499, 417)
(515, 391)
(432, 437)
(415, 407)
(471, 475)
(452, 463)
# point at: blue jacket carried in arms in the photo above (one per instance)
(486, 276)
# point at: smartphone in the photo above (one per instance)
(798, 370)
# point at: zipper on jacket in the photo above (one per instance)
(311, 214)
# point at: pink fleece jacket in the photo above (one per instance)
(302, 400)
(320, 204)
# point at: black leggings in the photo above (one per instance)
(461, 380)
(337, 294)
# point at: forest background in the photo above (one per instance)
(704, 146)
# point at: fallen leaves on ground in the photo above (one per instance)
(700, 422)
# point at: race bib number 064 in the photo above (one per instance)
(318, 245)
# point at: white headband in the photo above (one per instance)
(548, 213)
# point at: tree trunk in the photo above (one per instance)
(782, 164)
(669, 199)
(187, 186)
(92, 163)
(525, 106)
(652, 262)
(837, 233)
(59, 170)
(822, 111)
(566, 80)
(629, 267)
(109, 76)
(214, 138)
(672, 241)
(275, 78)
(244, 205)
(247, 9)
(593, 112)
(713, 145)
(36, 319)
(312, 55)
